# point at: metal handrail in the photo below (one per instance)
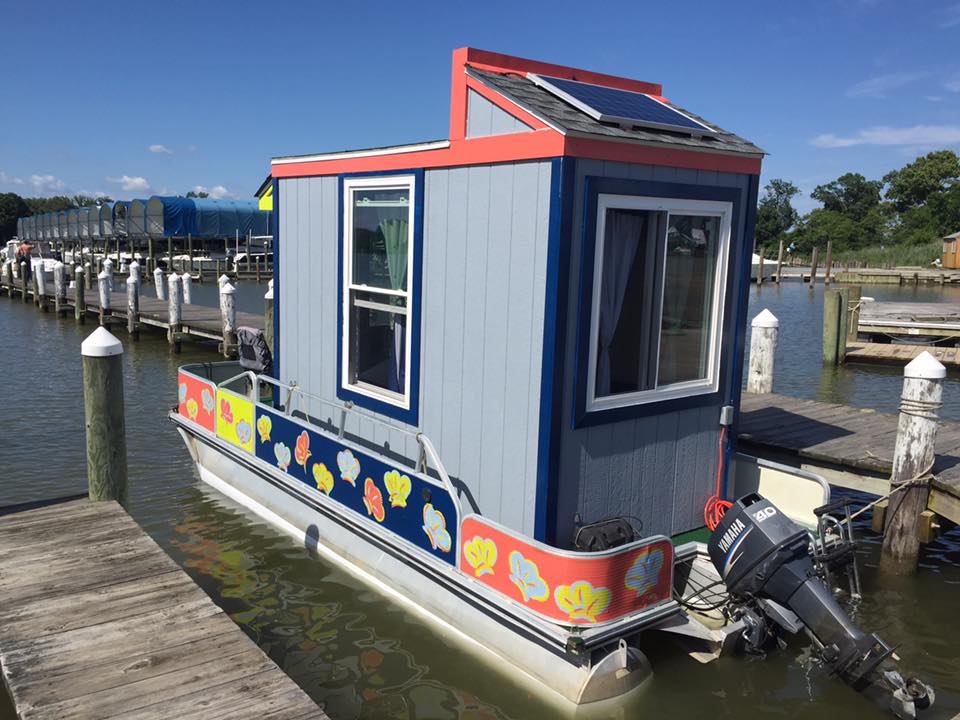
(428, 453)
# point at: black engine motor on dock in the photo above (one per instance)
(764, 560)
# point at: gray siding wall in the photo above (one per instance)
(484, 118)
(659, 469)
(484, 279)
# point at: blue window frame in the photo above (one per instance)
(380, 273)
(667, 360)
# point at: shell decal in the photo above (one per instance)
(182, 392)
(481, 554)
(244, 432)
(302, 451)
(398, 488)
(644, 572)
(226, 412)
(373, 500)
(192, 409)
(581, 600)
(323, 477)
(206, 397)
(264, 426)
(526, 575)
(349, 466)
(282, 453)
(435, 526)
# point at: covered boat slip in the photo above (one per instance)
(565, 317)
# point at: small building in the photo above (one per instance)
(556, 294)
(950, 259)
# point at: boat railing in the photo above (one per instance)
(428, 455)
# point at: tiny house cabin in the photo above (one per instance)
(951, 259)
(555, 295)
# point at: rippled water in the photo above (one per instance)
(361, 656)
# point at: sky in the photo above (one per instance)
(132, 99)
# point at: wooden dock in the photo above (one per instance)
(850, 447)
(897, 354)
(98, 622)
(930, 320)
(197, 321)
(897, 276)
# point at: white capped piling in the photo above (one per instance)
(159, 284)
(108, 268)
(268, 316)
(228, 316)
(174, 311)
(42, 290)
(223, 280)
(134, 271)
(60, 287)
(24, 292)
(89, 274)
(8, 276)
(133, 308)
(79, 301)
(103, 411)
(103, 286)
(763, 345)
(913, 458)
(187, 281)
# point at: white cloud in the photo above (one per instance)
(132, 183)
(93, 193)
(46, 183)
(933, 98)
(953, 84)
(217, 191)
(9, 179)
(878, 87)
(160, 149)
(950, 16)
(883, 135)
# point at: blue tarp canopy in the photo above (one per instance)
(205, 217)
(171, 217)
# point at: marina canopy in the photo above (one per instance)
(83, 221)
(73, 219)
(205, 217)
(137, 218)
(120, 209)
(105, 213)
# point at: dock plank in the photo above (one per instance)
(846, 439)
(104, 624)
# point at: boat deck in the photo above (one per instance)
(850, 447)
(98, 622)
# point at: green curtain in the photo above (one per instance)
(395, 236)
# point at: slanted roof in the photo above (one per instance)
(955, 236)
(569, 119)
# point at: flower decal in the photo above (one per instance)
(264, 426)
(302, 451)
(244, 432)
(526, 575)
(192, 409)
(349, 466)
(481, 554)
(373, 500)
(644, 572)
(398, 487)
(226, 412)
(182, 392)
(323, 477)
(435, 526)
(282, 453)
(206, 397)
(581, 600)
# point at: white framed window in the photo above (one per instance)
(659, 282)
(378, 276)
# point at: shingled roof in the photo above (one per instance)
(555, 111)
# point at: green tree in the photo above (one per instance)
(87, 201)
(193, 194)
(914, 183)
(12, 206)
(775, 214)
(49, 204)
(850, 194)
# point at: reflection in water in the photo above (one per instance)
(362, 656)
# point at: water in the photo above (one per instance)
(361, 656)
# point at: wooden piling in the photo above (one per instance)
(103, 412)
(79, 301)
(103, 286)
(257, 268)
(189, 254)
(159, 285)
(913, 458)
(24, 293)
(248, 254)
(842, 322)
(268, 316)
(174, 311)
(8, 276)
(60, 288)
(831, 325)
(760, 269)
(763, 344)
(187, 282)
(133, 308)
(151, 262)
(36, 287)
(218, 270)
(40, 274)
(779, 261)
(228, 316)
(853, 313)
(170, 266)
(813, 268)
(829, 264)
(89, 276)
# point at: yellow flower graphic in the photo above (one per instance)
(323, 477)
(192, 409)
(264, 426)
(398, 487)
(581, 600)
(481, 554)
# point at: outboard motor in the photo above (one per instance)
(764, 560)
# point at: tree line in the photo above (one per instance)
(917, 204)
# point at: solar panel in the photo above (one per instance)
(623, 107)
